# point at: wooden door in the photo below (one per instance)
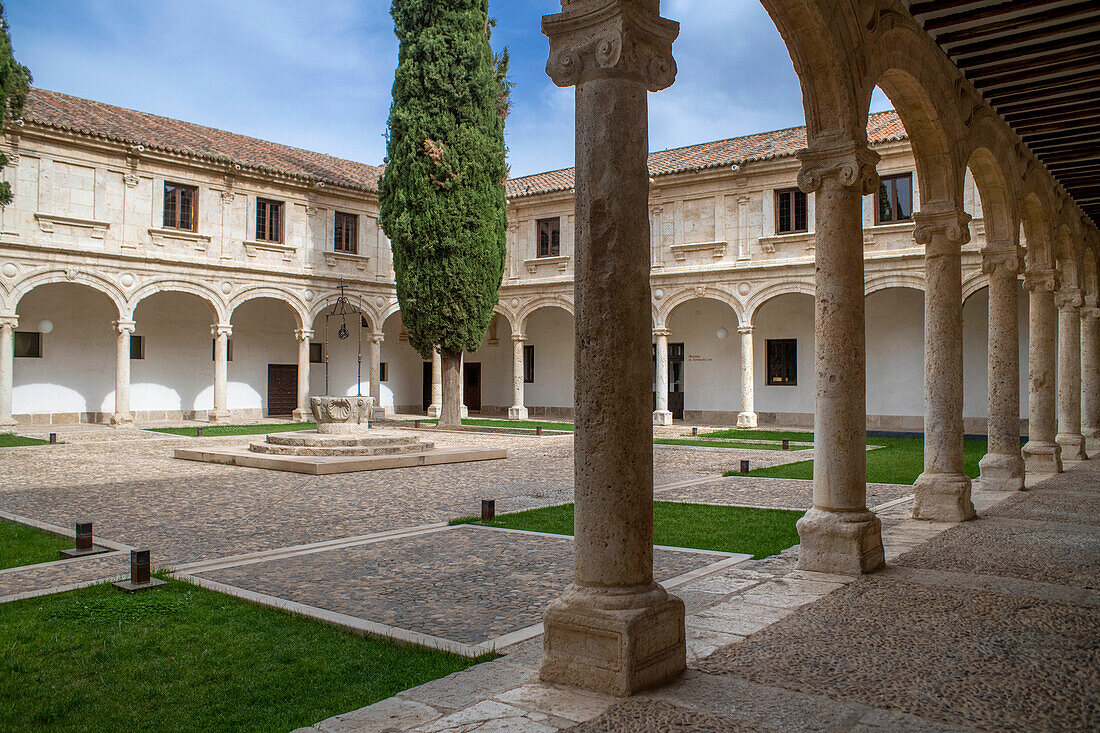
(427, 385)
(472, 386)
(676, 380)
(282, 389)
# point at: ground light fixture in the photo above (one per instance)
(488, 510)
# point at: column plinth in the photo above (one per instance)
(662, 415)
(614, 630)
(221, 333)
(302, 413)
(1068, 302)
(122, 417)
(746, 418)
(517, 411)
(7, 368)
(1042, 454)
(839, 535)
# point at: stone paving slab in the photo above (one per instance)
(774, 492)
(467, 584)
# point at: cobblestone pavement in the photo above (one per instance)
(467, 584)
(969, 628)
(776, 492)
(31, 579)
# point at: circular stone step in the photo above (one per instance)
(311, 439)
(343, 451)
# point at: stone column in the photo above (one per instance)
(122, 417)
(303, 413)
(7, 367)
(661, 416)
(436, 408)
(221, 333)
(376, 371)
(1068, 302)
(746, 418)
(1090, 371)
(942, 491)
(1002, 467)
(1042, 454)
(463, 410)
(517, 411)
(614, 629)
(839, 534)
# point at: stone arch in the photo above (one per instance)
(95, 282)
(508, 316)
(1036, 216)
(374, 320)
(297, 307)
(680, 297)
(998, 210)
(546, 301)
(909, 280)
(974, 284)
(209, 296)
(1067, 251)
(757, 301)
(1090, 288)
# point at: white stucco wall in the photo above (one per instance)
(712, 366)
(895, 352)
(263, 334)
(550, 331)
(496, 368)
(976, 352)
(404, 385)
(785, 317)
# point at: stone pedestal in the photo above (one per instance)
(340, 415)
(942, 491)
(839, 535)
(613, 630)
(746, 418)
(1069, 301)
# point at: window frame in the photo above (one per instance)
(771, 378)
(793, 195)
(317, 347)
(528, 363)
(278, 206)
(176, 195)
(553, 249)
(890, 182)
(383, 372)
(339, 225)
(37, 341)
(137, 343)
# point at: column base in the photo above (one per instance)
(435, 411)
(464, 412)
(219, 416)
(942, 497)
(517, 413)
(844, 543)
(388, 411)
(746, 419)
(1073, 446)
(7, 427)
(122, 420)
(302, 415)
(662, 417)
(1042, 457)
(1001, 472)
(614, 644)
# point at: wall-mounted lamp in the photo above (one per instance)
(722, 333)
(45, 326)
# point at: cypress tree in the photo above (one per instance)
(442, 193)
(15, 79)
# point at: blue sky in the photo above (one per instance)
(317, 74)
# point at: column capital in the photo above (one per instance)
(851, 161)
(1090, 311)
(377, 337)
(1042, 280)
(1068, 299)
(998, 259)
(9, 322)
(518, 338)
(659, 332)
(744, 330)
(303, 334)
(124, 326)
(593, 39)
(221, 329)
(942, 231)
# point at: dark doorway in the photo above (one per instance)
(282, 389)
(471, 387)
(427, 385)
(676, 381)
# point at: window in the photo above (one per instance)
(269, 220)
(549, 237)
(28, 345)
(228, 349)
(790, 211)
(383, 372)
(137, 347)
(895, 199)
(782, 362)
(316, 353)
(346, 240)
(180, 206)
(528, 363)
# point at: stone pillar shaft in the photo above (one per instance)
(614, 629)
(839, 534)
(7, 367)
(1069, 436)
(661, 415)
(1090, 372)
(746, 418)
(122, 416)
(436, 407)
(221, 333)
(1002, 468)
(376, 371)
(517, 411)
(1042, 454)
(302, 413)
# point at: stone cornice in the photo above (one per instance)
(593, 39)
(851, 162)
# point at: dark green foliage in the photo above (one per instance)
(442, 194)
(14, 81)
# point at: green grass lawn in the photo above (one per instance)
(7, 440)
(719, 443)
(755, 434)
(23, 545)
(184, 658)
(489, 423)
(759, 532)
(215, 431)
(896, 461)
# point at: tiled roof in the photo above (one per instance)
(88, 117)
(61, 111)
(881, 127)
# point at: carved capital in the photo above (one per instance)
(1090, 311)
(1042, 280)
(131, 180)
(1002, 261)
(124, 326)
(941, 232)
(659, 332)
(221, 329)
(518, 338)
(303, 334)
(850, 162)
(377, 337)
(593, 39)
(744, 330)
(9, 322)
(1068, 299)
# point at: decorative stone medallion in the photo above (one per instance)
(127, 280)
(227, 288)
(341, 414)
(744, 288)
(10, 270)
